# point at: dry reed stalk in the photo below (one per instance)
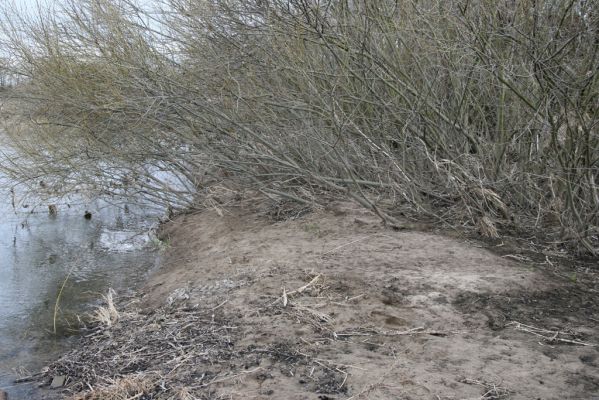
(106, 315)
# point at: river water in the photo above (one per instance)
(39, 252)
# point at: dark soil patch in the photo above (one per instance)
(557, 308)
(286, 210)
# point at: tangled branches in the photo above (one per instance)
(483, 115)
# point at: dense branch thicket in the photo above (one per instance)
(481, 114)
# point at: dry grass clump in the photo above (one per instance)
(127, 388)
(106, 315)
(487, 228)
(453, 110)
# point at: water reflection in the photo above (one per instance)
(38, 251)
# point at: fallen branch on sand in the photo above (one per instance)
(226, 378)
(554, 337)
(376, 332)
(285, 297)
(492, 391)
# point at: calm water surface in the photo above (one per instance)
(38, 252)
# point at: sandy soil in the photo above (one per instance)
(330, 305)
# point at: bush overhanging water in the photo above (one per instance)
(474, 113)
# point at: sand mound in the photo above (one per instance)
(330, 305)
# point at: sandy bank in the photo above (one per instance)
(259, 303)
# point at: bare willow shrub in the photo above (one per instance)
(478, 113)
(90, 108)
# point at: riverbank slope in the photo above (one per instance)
(290, 303)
